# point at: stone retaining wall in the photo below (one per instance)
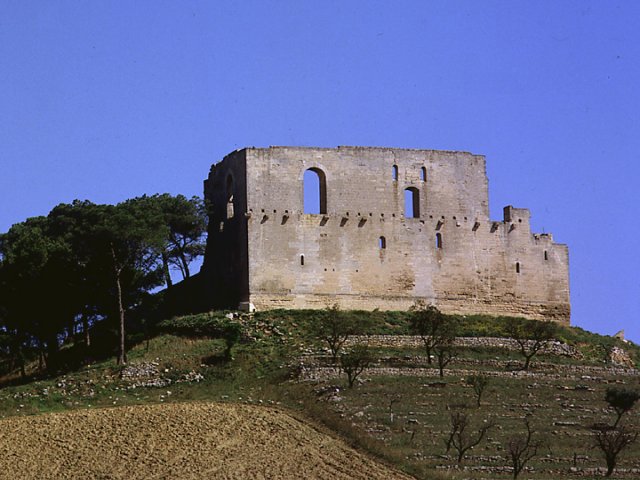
(414, 341)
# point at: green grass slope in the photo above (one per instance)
(399, 410)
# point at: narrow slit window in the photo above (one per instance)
(301, 259)
(382, 243)
(315, 191)
(546, 255)
(411, 202)
(394, 173)
(517, 267)
(438, 240)
(230, 207)
(423, 174)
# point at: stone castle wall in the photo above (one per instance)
(286, 258)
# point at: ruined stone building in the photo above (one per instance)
(393, 226)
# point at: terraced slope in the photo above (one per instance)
(177, 441)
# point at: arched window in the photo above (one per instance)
(394, 173)
(315, 191)
(517, 267)
(423, 174)
(438, 240)
(411, 202)
(546, 255)
(230, 210)
(382, 243)
(301, 259)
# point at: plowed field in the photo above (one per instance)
(177, 441)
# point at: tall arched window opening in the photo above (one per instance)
(394, 173)
(411, 202)
(382, 243)
(438, 240)
(423, 174)
(517, 267)
(315, 191)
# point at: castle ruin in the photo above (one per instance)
(393, 226)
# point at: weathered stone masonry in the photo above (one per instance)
(361, 251)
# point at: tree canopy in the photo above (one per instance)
(85, 262)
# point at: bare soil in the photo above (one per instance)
(177, 441)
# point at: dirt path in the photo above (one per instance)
(177, 441)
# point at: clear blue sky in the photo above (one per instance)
(109, 100)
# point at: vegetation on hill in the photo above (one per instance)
(84, 264)
(399, 408)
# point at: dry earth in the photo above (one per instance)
(177, 441)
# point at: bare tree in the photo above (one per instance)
(444, 352)
(531, 336)
(432, 326)
(479, 384)
(391, 402)
(521, 449)
(460, 437)
(355, 362)
(611, 442)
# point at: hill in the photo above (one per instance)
(399, 410)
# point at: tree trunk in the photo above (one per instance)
(165, 269)
(85, 330)
(23, 371)
(427, 348)
(610, 467)
(185, 266)
(41, 365)
(615, 424)
(51, 353)
(122, 354)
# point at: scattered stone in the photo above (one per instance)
(618, 356)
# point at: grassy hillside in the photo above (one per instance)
(399, 410)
